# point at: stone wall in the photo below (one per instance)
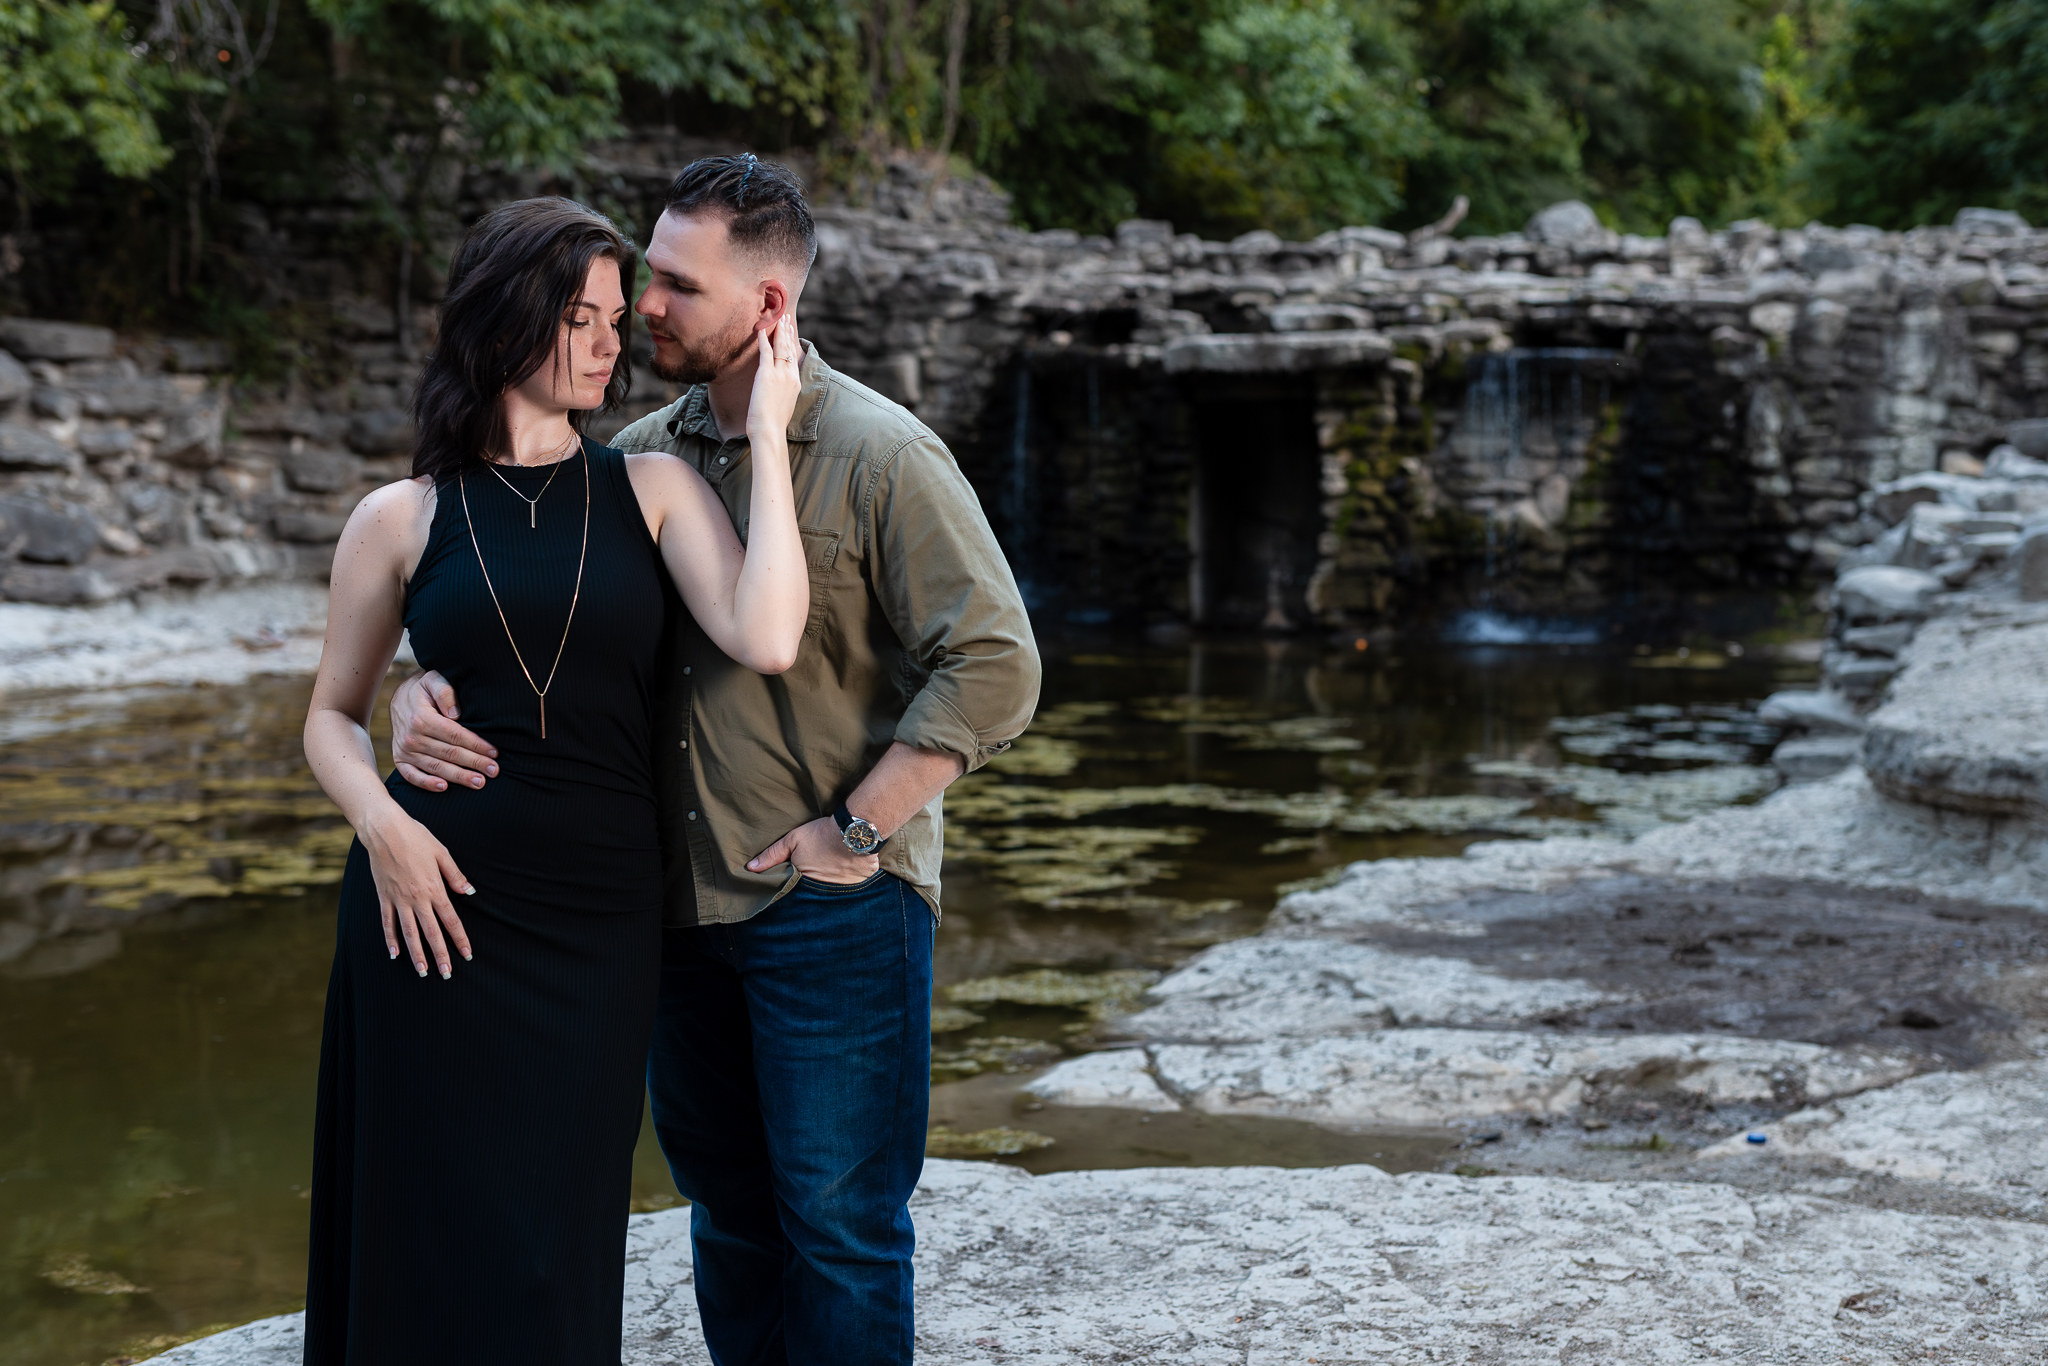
(1343, 432)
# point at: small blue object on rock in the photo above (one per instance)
(1759, 1138)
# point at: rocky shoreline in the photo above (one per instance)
(1853, 971)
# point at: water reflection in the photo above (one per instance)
(166, 902)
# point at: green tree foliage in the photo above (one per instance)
(68, 81)
(1219, 115)
(1939, 104)
(1642, 107)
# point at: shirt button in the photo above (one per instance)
(721, 460)
(693, 815)
(683, 743)
(686, 671)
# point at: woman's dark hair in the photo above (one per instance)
(514, 277)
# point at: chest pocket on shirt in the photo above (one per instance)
(821, 551)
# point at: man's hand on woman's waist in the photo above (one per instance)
(429, 748)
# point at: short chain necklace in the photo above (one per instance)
(540, 690)
(533, 503)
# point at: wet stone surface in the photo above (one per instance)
(1903, 972)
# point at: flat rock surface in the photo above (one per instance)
(1984, 1131)
(1444, 1076)
(1966, 724)
(226, 636)
(1259, 1266)
(1256, 989)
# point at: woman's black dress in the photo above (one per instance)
(472, 1163)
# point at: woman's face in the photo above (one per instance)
(586, 347)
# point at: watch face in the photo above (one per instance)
(861, 837)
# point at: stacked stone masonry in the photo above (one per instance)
(1342, 432)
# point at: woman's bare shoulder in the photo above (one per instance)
(395, 517)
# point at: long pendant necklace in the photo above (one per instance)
(533, 503)
(540, 690)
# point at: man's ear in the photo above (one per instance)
(775, 301)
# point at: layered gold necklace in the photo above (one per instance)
(540, 690)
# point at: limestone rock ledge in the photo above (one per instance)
(1261, 1265)
(1965, 727)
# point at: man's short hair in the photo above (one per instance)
(761, 202)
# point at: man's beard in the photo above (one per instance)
(704, 362)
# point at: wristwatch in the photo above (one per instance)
(860, 835)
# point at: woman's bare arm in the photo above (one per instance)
(752, 599)
(365, 609)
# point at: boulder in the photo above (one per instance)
(129, 396)
(1860, 678)
(1891, 502)
(1990, 223)
(46, 534)
(1272, 352)
(2031, 555)
(54, 587)
(14, 379)
(2030, 436)
(1820, 713)
(31, 448)
(2010, 462)
(1140, 232)
(36, 339)
(1566, 224)
(1318, 318)
(1811, 758)
(193, 437)
(1966, 726)
(309, 528)
(381, 431)
(104, 440)
(1881, 593)
(1879, 640)
(56, 403)
(320, 471)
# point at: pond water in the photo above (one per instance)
(158, 1040)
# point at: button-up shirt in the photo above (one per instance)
(916, 633)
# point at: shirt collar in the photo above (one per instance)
(694, 417)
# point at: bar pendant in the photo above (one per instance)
(543, 716)
(533, 513)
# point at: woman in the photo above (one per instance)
(476, 1125)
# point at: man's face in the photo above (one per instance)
(705, 301)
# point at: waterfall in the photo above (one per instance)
(1020, 510)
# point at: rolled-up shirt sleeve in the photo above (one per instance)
(948, 592)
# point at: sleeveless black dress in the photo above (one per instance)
(472, 1162)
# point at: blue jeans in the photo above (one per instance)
(791, 1079)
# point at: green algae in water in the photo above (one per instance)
(997, 1142)
(950, 1019)
(1101, 995)
(999, 1054)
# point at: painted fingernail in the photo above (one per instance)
(465, 955)
(445, 973)
(420, 968)
(394, 953)
(468, 889)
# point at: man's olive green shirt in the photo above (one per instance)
(916, 633)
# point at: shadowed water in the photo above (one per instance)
(167, 875)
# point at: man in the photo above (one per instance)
(801, 813)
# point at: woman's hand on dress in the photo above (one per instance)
(414, 873)
(777, 380)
